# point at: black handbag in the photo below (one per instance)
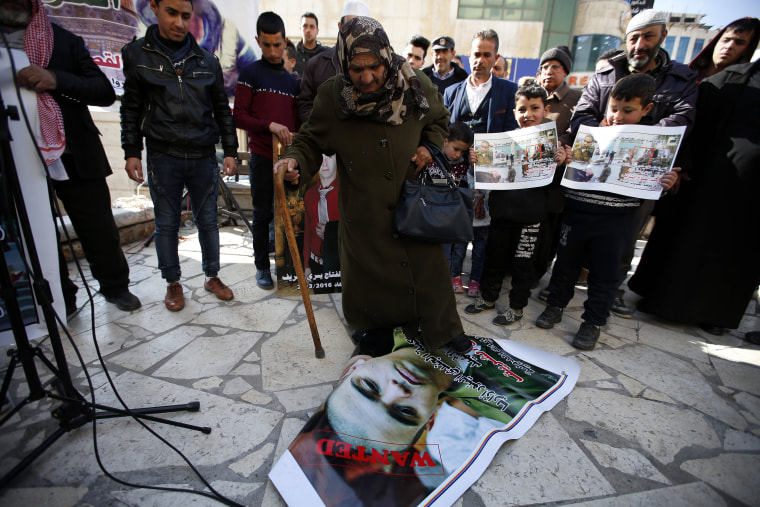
(435, 212)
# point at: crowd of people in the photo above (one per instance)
(362, 113)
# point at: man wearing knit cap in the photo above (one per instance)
(554, 66)
(674, 100)
(323, 66)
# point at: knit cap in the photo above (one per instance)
(559, 53)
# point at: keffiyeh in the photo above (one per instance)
(38, 46)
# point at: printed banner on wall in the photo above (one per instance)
(415, 428)
(225, 27)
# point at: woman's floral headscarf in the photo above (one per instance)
(400, 96)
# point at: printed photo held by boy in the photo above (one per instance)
(597, 228)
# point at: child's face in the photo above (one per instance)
(529, 112)
(454, 149)
(626, 112)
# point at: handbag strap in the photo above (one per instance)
(441, 161)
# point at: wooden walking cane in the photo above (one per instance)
(279, 188)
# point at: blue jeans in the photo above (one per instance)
(262, 195)
(455, 254)
(167, 177)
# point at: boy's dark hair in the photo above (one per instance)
(291, 50)
(530, 89)
(308, 14)
(419, 41)
(460, 131)
(610, 53)
(270, 23)
(634, 86)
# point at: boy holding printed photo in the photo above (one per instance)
(597, 228)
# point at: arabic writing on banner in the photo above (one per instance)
(627, 160)
(522, 158)
(427, 446)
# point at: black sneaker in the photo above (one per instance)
(461, 344)
(264, 279)
(550, 316)
(586, 337)
(511, 316)
(480, 305)
(124, 301)
(543, 295)
(620, 308)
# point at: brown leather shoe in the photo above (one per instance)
(220, 290)
(174, 300)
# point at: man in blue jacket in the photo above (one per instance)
(483, 101)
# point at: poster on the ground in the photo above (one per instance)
(415, 428)
(313, 212)
(522, 158)
(627, 160)
(226, 28)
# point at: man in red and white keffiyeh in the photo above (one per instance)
(65, 81)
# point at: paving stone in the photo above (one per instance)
(741, 377)
(535, 459)
(733, 474)
(288, 360)
(249, 464)
(236, 386)
(256, 398)
(219, 353)
(49, 497)
(687, 495)
(661, 430)
(300, 399)
(740, 441)
(678, 377)
(627, 461)
(145, 355)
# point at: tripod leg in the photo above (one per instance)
(143, 413)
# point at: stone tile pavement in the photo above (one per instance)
(661, 415)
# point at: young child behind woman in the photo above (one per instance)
(456, 148)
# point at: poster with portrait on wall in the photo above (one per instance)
(226, 28)
(415, 428)
(522, 158)
(313, 211)
(627, 160)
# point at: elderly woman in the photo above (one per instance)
(374, 115)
